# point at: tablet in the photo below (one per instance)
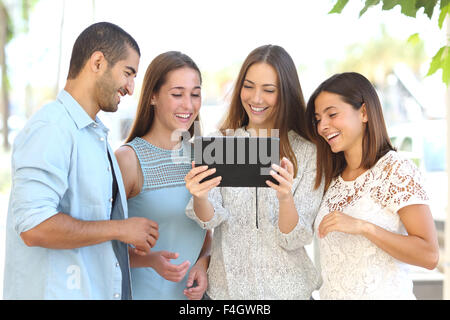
(240, 161)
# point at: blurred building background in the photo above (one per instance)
(218, 35)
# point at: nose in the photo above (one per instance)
(322, 126)
(257, 96)
(130, 86)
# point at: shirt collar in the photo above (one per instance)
(76, 111)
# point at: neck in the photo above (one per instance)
(161, 137)
(82, 92)
(258, 132)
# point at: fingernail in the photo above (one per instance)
(275, 166)
(272, 172)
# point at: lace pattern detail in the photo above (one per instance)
(263, 263)
(353, 267)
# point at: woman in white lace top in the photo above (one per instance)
(374, 219)
(260, 233)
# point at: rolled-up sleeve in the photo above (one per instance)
(307, 201)
(40, 166)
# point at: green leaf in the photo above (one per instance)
(338, 6)
(389, 4)
(441, 60)
(369, 3)
(409, 8)
(444, 3)
(414, 39)
(427, 5)
(443, 14)
(435, 64)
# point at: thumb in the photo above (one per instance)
(191, 278)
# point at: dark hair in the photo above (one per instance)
(154, 78)
(357, 91)
(290, 109)
(106, 37)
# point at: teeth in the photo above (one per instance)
(122, 91)
(332, 135)
(184, 116)
(258, 109)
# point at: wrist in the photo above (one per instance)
(366, 228)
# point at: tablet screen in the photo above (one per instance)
(240, 161)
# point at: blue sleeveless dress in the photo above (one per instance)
(163, 199)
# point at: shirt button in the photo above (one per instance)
(109, 168)
(111, 199)
(94, 125)
(117, 264)
(116, 295)
(102, 139)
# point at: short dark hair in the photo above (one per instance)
(106, 37)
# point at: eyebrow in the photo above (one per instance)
(182, 88)
(264, 85)
(131, 69)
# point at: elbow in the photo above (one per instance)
(31, 238)
(432, 260)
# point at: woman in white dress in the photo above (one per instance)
(374, 219)
(259, 233)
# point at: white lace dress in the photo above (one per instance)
(250, 257)
(353, 267)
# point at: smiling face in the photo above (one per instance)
(259, 94)
(117, 81)
(339, 124)
(177, 103)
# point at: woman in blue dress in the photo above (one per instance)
(154, 162)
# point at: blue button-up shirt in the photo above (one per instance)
(60, 164)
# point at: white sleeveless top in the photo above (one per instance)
(353, 267)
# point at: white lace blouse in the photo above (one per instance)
(353, 267)
(257, 261)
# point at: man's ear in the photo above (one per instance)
(364, 113)
(97, 62)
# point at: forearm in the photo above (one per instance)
(407, 248)
(288, 215)
(203, 209)
(62, 231)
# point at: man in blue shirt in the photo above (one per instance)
(68, 228)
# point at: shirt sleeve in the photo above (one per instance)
(307, 201)
(40, 165)
(404, 186)
(220, 213)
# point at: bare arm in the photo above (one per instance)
(420, 247)
(62, 231)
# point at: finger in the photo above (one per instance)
(169, 255)
(194, 171)
(283, 172)
(208, 185)
(154, 233)
(273, 186)
(191, 278)
(203, 175)
(288, 165)
(139, 252)
(151, 241)
(283, 183)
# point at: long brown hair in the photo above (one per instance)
(356, 90)
(290, 109)
(154, 78)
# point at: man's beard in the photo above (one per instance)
(107, 93)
